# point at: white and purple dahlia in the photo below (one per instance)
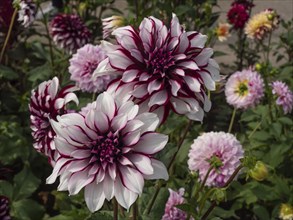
(26, 12)
(284, 96)
(215, 147)
(171, 211)
(109, 152)
(69, 32)
(165, 68)
(82, 66)
(244, 89)
(4, 208)
(47, 101)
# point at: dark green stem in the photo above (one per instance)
(232, 120)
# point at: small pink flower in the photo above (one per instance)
(109, 152)
(212, 146)
(284, 96)
(244, 89)
(45, 104)
(82, 66)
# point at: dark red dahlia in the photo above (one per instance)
(4, 208)
(69, 32)
(239, 13)
(47, 103)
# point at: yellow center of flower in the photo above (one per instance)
(242, 88)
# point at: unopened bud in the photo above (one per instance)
(258, 67)
(219, 195)
(259, 172)
(286, 212)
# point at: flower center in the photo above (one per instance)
(89, 68)
(242, 88)
(159, 61)
(106, 149)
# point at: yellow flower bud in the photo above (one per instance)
(259, 172)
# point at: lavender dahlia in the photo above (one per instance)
(69, 32)
(212, 147)
(108, 152)
(26, 12)
(164, 68)
(45, 104)
(244, 89)
(284, 96)
(82, 66)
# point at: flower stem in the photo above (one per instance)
(254, 130)
(134, 211)
(232, 120)
(203, 182)
(8, 34)
(155, 195)
(115, 209)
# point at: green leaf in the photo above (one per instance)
(261, 212)
(25, 183)
(40, 73)
(6, 188)
(7, 73)
(27, 209)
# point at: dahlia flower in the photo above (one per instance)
(261, 24)
(82, 66)
(219, 147)
(284, 96)
(163, 68)
(171, 212)
(45, 104)
(222, 31)
(4, 208)
(239, 13)
(26, 12)
(244, 89)
(110, 24)
(69, 32)
(108, 152)
(286, 212)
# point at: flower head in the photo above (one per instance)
(26, 12)
(45, 104)
(163, 68)
(69, 32)
(4, 208)
(108, 152)
(111, 23)
(222, 31)
(218, 149)
(244, 89)
(239, 13)
(82, 66)
(171, 212)
(261, 24)
(286, 212)
(284, 96)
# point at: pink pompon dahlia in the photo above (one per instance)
(284, 96)
(171, 212)
(69, 32)
(164, 68)
(244, 89)
(108, 152)
(82, 66)
(27, 12)
(45, 104)
(4, 208)
(218, 149)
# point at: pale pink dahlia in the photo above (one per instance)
(165, 68)
(27, 11)
(45, 104)
(108, 152)
(82, 66)
(171, 212)
(69, 32)
(244, 89)
(213, 148)
(284, 96)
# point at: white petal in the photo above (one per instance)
(94, 196)
(175, 86)
(142, 163)
(58, 166)
(208, 81)
(129, 75)
(108, 186)
(119, 60)
(119, 122)
(203, 58)
(106, 103)
(132, 179)
(140, 91)
(160, 171)
(180, 106)
(151, 143)
(63, 146)
(129, 108)
(132, 125)
(188, 65)
(101, 122)
(132, 137)
(150, 120)
(77, 181)
(158, 98)
(192, 83)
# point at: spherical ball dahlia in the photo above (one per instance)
(212, 147)
(244, 89)
(165, 68)
(69, 32)
(284, 96)
(26, 13)
(108, 152)
(82, 66)
(171, 212)
(238, 15)
(4, 208)
(45, 104)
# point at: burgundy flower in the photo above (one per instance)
(4, 208)
(162, 68)
(69, 32)
(46, 103)
(239, 13)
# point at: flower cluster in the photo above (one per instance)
(215, 149)
(244, 89)
(261, 24)
(284, 96)
(69, 32)
(110, 24)
(238, 14)
(47, 103)
(108, 152)
(26, 12)
(4, 208)
(82, 66)
(165, 69)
